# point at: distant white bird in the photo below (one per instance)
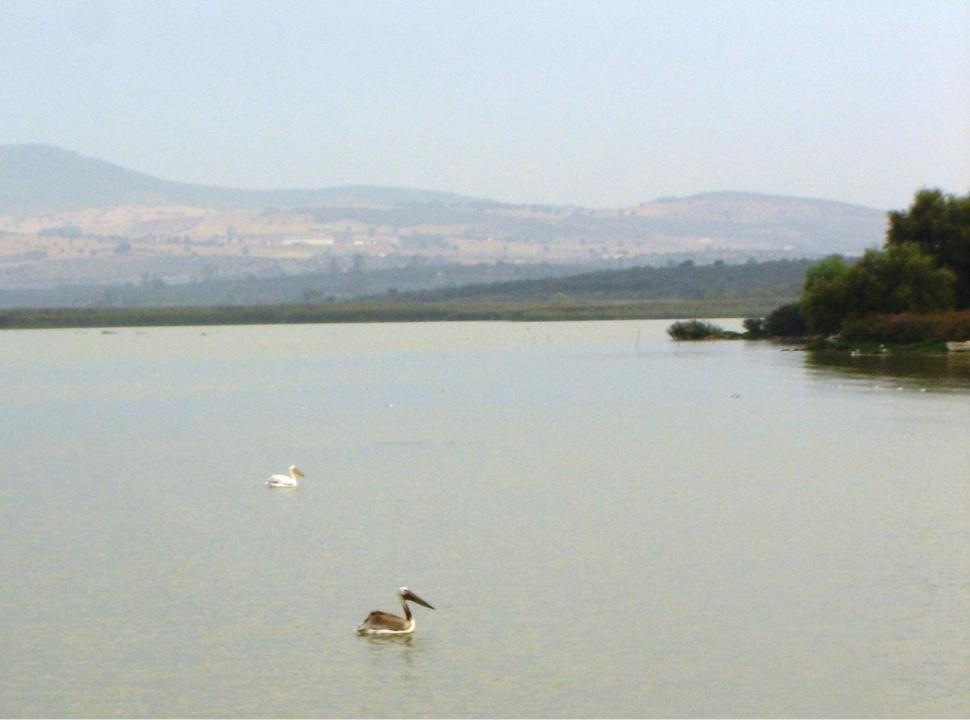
(286, 481)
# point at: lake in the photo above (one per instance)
(607, 522)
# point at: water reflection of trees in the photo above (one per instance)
(943, 370)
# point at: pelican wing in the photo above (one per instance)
(378, 620)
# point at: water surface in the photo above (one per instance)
(608, 523)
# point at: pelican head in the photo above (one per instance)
(294, 470)
(408, 595)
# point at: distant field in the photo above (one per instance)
(390, 311)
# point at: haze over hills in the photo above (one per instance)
(66, 219)
(49, 179)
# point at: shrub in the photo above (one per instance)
(694, 330)
(754, 328)
(786, 321)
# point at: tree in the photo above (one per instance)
(754, 328)
(827, 270)
(785, 321)
(823, 301)
(939, 224)
(898, 279)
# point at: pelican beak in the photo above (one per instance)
(414, 598)
(297, 471)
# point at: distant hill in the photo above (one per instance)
(778, 221)
(68, 220)
(49, 179)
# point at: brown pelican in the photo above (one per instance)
(382, 623)
(286, 481)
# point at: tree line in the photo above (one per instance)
(777, 279)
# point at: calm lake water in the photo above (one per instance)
(608, 523)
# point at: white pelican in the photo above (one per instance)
(382, 623)
(286, 481)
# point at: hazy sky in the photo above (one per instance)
(594, 103)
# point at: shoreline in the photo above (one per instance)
(368, 312)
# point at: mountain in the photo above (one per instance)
(43, 178)
(66, 220)
(782, 222)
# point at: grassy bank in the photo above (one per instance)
(379, 311)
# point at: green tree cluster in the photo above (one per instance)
(939, 224)
(925, 267)
(785, 321)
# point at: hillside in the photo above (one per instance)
(66, 220)
(781, 279)
(43, 178)
(810, 224)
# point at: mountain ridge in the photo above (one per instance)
(46, 177)
(27, 165)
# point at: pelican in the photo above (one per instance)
(382, 623)
(286, 481)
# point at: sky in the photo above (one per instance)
(600, 104)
